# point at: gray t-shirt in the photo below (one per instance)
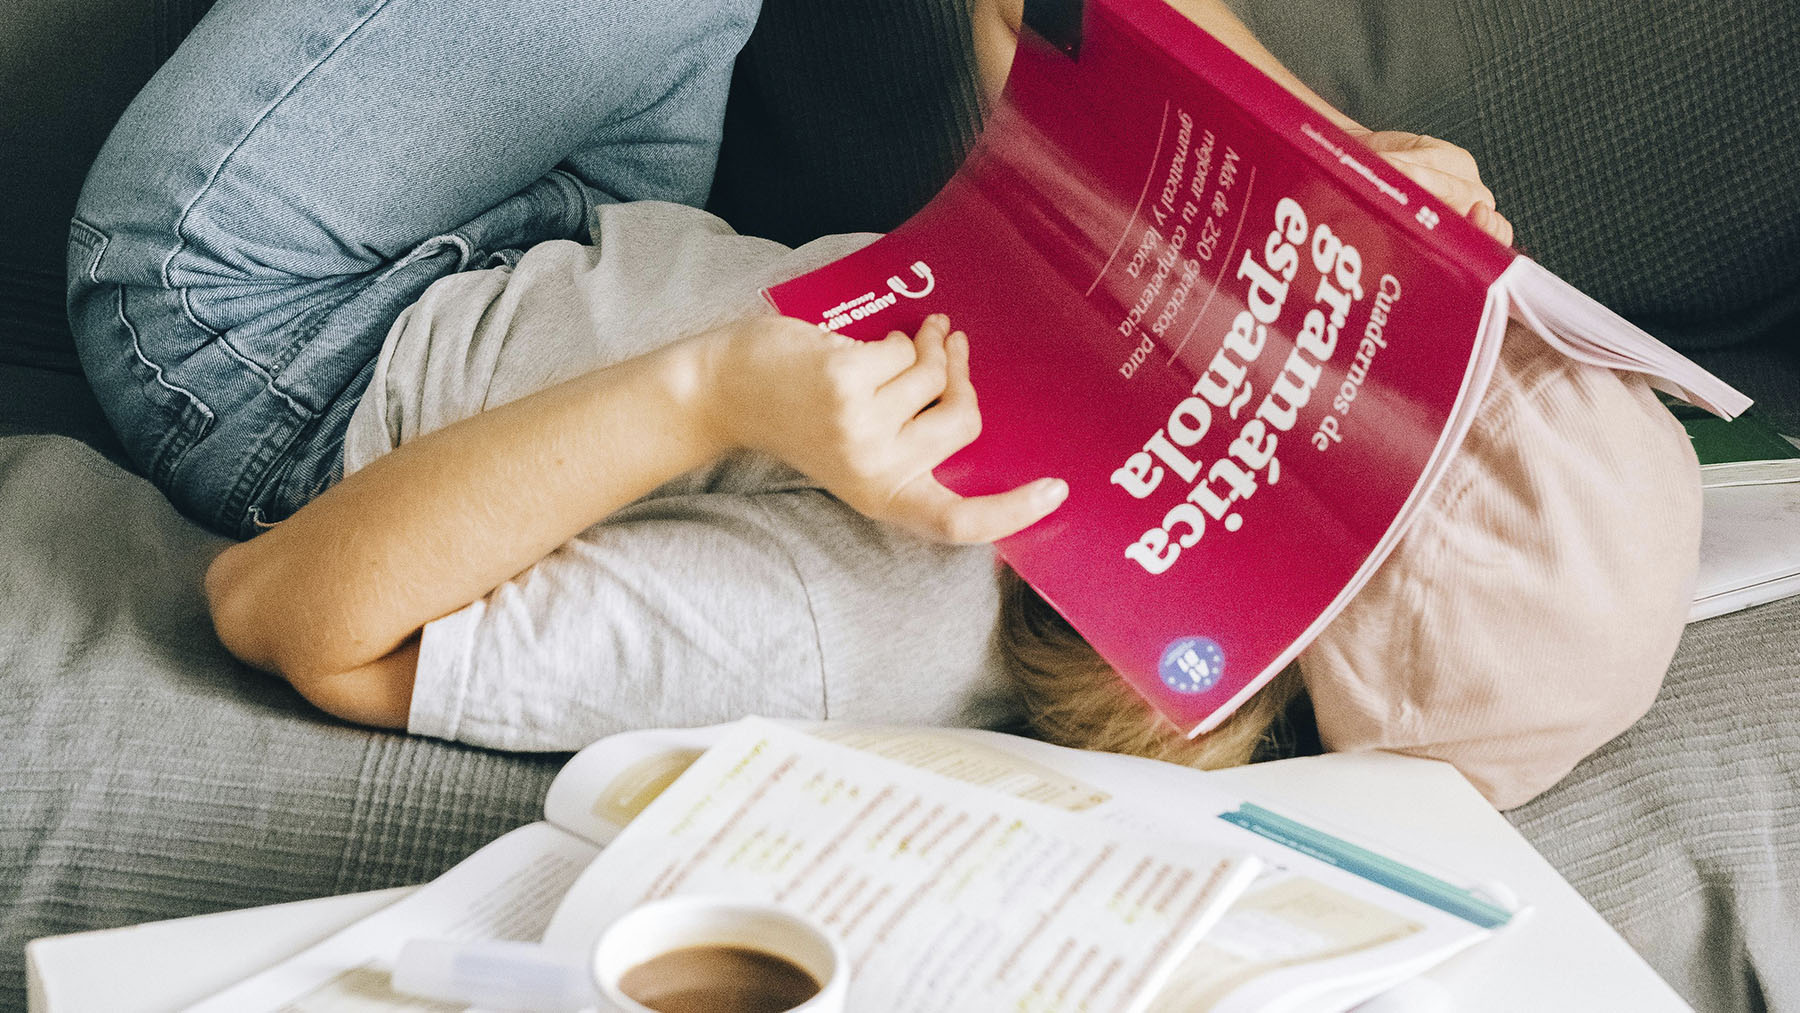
(738, 589)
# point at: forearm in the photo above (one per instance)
(441, 521)
(333, 597)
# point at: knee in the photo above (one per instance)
(150, 407)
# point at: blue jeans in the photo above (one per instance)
(299, 173)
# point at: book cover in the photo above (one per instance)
(1741, 451)
(1245, 341)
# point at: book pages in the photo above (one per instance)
(506, 890)
(1749, 547)
(948, 897)
(1323, 925)
(1584, 330)
(1315, 931)
(607, 784)
(1308, 934)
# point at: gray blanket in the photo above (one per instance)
(145, 774)
(1685, 831)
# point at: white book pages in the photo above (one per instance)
(159, 967)
(948, 897)
(1586, 331)
(1307, 934)
(607, 784)
(1734, 473)
(1749, 547)
(506, 890)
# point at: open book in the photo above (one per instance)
(1006, 865)
(1249, 345)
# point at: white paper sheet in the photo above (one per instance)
(949, 898)
(504, 891)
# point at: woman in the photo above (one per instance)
(615, 494)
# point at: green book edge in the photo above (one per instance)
(1746, 438)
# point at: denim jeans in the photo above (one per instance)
(298, 173)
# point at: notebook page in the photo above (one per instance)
(948, 897)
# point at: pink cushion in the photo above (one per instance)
(1529, 614)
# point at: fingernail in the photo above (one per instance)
(938, 320)
(1053, 490)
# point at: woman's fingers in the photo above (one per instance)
(1460, 192)
(923, 382)
(1431, 151)
(955, 420)
(927, 508)
(1492, 222)
(1448, 171)
(880, 362)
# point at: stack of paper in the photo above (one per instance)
(1750, 531)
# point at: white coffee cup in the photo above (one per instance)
(676, 923)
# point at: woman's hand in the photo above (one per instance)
(867, 420)
(1449, 172)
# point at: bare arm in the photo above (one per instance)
(334, 598)
(328, 596)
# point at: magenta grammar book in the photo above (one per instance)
(1247, 343)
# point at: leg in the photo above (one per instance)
(298, 174)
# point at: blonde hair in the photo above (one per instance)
(1073, 698)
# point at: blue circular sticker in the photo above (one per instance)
(1192, 665)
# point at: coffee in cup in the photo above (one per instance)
(719, 979)
(693, 954)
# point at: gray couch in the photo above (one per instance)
(1647, 152)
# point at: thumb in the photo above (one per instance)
(929, 509)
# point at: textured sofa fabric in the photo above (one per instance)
(144, 773)
(1685, 831)
(1646, 152)
(67, 70)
